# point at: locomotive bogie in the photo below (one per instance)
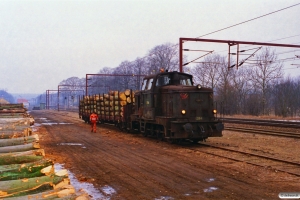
(194, 130)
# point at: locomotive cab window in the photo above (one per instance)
(149, 84)
(162, 80)
(181, 79)
(144, 84)
(186, 82)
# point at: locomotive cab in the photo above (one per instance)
(170, 106)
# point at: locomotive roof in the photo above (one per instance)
(166, 73)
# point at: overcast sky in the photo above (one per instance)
(46, 41)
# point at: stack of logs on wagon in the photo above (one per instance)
(111, 107)
(25, 172)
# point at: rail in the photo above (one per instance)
(274, 163)
(264, 132)
(277, 123)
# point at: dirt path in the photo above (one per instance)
(144, 168)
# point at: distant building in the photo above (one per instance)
(24, 102)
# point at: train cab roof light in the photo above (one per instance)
(199, 86)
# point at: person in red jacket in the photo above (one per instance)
(93, 120)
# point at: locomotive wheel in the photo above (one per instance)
(173, 141)
(195, 141)
(160, 136)
(148, 130)
(145, 134)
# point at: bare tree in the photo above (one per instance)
(207, 73)
(140, 68)
(70, 91)
(225, 90)
(265, 71)
(71, 83)
(74, 84)
(101, 82)
(242, 88)
(286, 97)
(163, 57)
(297, 97)
(126, 68)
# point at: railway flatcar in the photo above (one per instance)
(169, 106)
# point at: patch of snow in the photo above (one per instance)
(105, 193)
(210, 189)
(164, 198)
(210, 180)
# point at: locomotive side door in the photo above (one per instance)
(147, 100)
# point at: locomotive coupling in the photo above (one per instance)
(220, 127)
(188, 128)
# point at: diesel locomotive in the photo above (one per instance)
(168, 106)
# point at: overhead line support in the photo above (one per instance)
(230, 43)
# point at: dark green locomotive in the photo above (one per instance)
(170, 106)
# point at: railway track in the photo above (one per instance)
(264, 132)
(264, 161)
(277, 123)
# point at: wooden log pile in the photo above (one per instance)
(25, 173)
(14, 111)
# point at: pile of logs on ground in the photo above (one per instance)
(13, 110)
(25, 173)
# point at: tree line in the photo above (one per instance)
(256, 88)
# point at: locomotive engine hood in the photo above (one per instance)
(188, 102)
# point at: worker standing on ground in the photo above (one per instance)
(93, 120)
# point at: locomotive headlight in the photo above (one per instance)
(183, 112)
(199, 87)
(214, 111)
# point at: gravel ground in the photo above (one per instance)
(135, 167)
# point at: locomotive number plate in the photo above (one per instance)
(198, 118)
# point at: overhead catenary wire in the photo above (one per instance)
(292, 68)
(246, 22)
(198, 58)
(237, 25)
(250, 20)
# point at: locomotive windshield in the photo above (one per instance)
(173, 79)
(162, 80)
(147, 84)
